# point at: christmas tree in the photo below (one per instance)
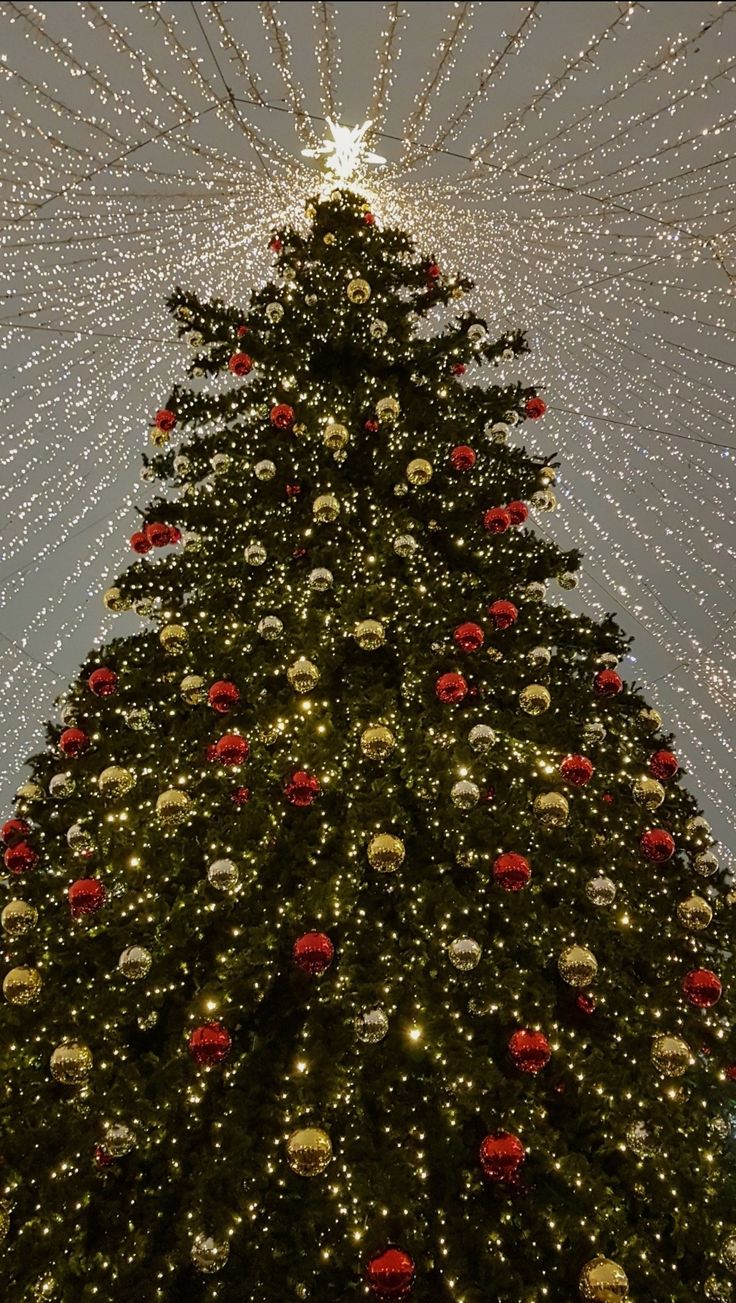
(361, 940)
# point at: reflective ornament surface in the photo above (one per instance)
(601, 891)
(385, 852)
(481, 737)
(534, 699)
(647, 793)
(309, 1151)
(464, 953)
(302, 675)
(552, 809)
(670, 1055)
(371, 1025)
(172, 807)
(377, 742)
(577, 965)
(135, 962)
(695, 913)
(465, 794)
(419, 471)
(209, 1255)
(19, 917)
(71, 1063)
(223, 874)
(22, 985)
(270, 628)
(369, 634)
(603, 1281)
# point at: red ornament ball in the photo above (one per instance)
(240, 796)
(501, 1156)
(158, 534)
(293, 490)
(174, 534)
(102, 1157)
(242, 330)
(103, 682)
(657, 845)
(232, 749)
(140, 542)
(451, 687)
(607, 683)
(209, 1044)
(433, 271)
(730, 1071)
(518, 512)
(529, 1050)
(20, 857)
(390, 1274)
(511, 871)
(702, 988)
(165, 419)
(459, 369)
(469, 637)
(222, 696)
(503, 614)
(585, 1002)
(275, 245)
(369, 219)
(14, 831)
(86, 896)
(663, 765)
(302, 788)
(282, 416)
(73, 742)
(534, 408)
(240, 364)
(463, 458)
(497, 520)
(577, 770)
(313, 952)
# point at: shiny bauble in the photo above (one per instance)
(728, 1251)
(264, 470)
(390, 1275)
(543, 500)
(377, 742)
(71, 1063)
(270, 628)
(498, 432)
(419, 471)
(577, 966)
(387, 409)
(61, 787)
(223, 874)
(20, 858)
(518, 512)
(462, 458)
(405, 545)
(702, 987)
(80, 841)
(385, 852)
(469, 636)
(697, 828)
(309, 1151)
(607, 683)
(539, 657)
(209, 1255)
(115, 600)
(231, 749)
(577, 770)
(496, 520)
(222, 696)
(378, 329)
(695, 914)
(138, 718)
(593, 733)
(552, 809)
(663, 765)
(115, 782)
(371, 1025)
(534, 699)
(336, 436)
(134, 962)
(481, 737)
(503, 614)
(14, 831)
(603, 1281)
(312, 953)
(530, 1050)
(320, 579)
(647, 793)
(464, 953)
(172, 808)
(477, 333)
(174, 639)
(601, 891)
(29, 792)
(369, 634)
(72, 742)
(657, 845)
(18, 918)
(301, 789)
(511, 871)
(451, 688)
(465, 794)
(22, 985)
(210, 1043)
(274, 313)
(326, 508)
(303, 675)
(255, 555)
(501, 1156)
(358, 290)
(639, 1139)
(670, 1055)
(718, 1291)
(192, 689)
(706, 863)
(534, 592)
(568, 580)
(119, 1139)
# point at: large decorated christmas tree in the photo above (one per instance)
(360, 939)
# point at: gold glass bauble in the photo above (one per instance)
(358, 290)
(71, 1063)
(670, 1055)
(302, 675)
(465, 794)
(534, 699)
(603, 1281)
(209, 1255)
(377, 742)
(172, 807)
(371, 1025)
(326, 508)
(115, 781)
(29, 792)
(650, 719)
(308, 1151)
(728, 1251)
(419, 471)
(706, 863)
(552, 809)
(577, 966)
(387, 409)
(18, 918)
(115, 601)
(119, 1139)
(173, 639)
(134, 962)
(192, 689)
(695, 914)
(335, 436)
(647, 793)
(22, 985)
(159, 438)
(464, 953)
(385, 852)
(369, 634)
(697, 828)
(567, 579)
(255, 554)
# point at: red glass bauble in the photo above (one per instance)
(302, 788)
(102, 1157)
(433, 271)
(459, 369)
(501, 1156)
(222, 696)
(165, 419)
(242, 330)
(577, 770)
(462, 458)
(511, 871)
(275, 245)
(607, 683)
(103, 682)
(390, 1274)
(282, 416)
(86, 896)
(174, 534)
(20, 857)
(451, 687)
(157, 533)
(14, 831)
(730, 1071)
(232, 749)
(140, 542)
(518, 512)
(534, 408)
(73, 742)
(529, 1050)
(469, 637)
(313, 952)
(240, 364)
(503, 614)
(293, 490)
(211, 1043)
(369, 219)
(657, 845)
(585, 1002)
(497, 520)
(240, 795)
(702, 987)
(663, 765)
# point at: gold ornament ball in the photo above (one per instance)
(387, 409)
(115, 601)
(696, 828)
(647, 793)
(134, 962)
(255, 554)
(695, 914)
(119, 1139)
(4, 1220)
(419, 471)
(208, 1255)
(385, 852)
(539, 657)
(18, 918)
(144, 606)
(377, 742)
(335, 436)
(369, 634)
(302, 675)
(159, 438)
(552, 809)
(535, 592)
(464, 953)
(192, 689)
(568, 579)
(670, 1055)
(29, 792)
(22, 985)
(172, 807)
(358, 291)
(603, 1281)
(115, 781)
(173, 639)
(309, 1151)
(706, 863)
(326, 508)
(465, 794)
(534, 699)
(600, 890)
(650, 720)
(71, 1063)
(577, 966)
(728, 1251)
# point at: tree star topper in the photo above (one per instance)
(346, 151)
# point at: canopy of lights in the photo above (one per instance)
(575, 160)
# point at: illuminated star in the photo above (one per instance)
(345, 152)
